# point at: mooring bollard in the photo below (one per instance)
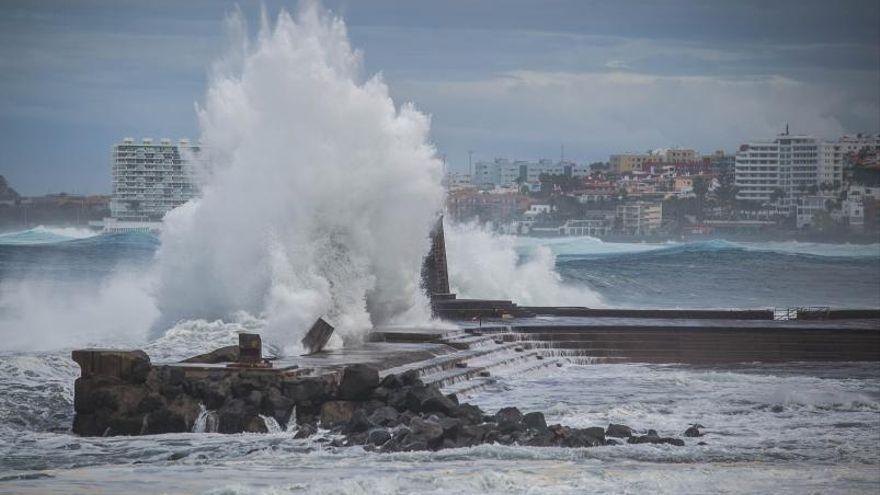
(250, 352)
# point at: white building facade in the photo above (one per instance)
(832, 156)
(503, 173)
(151, 178)
(788, 163)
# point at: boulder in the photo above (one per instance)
(384, 416)
(391, 382)
(618, 431)
(127, 366)
(255, 424)
(534, 421)
(468, 413)
(228, 354)
(359, 422)
(438, 404)
(378, 437)
(509, 419)
(358, 382)
(337, 412)
(693, 431)
(427, 430)
(411, 378)
(653, 438)
(417, 395)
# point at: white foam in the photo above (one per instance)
(319, 194)
(485, 265)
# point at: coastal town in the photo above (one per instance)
(788, 186)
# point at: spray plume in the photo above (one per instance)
(319, 193)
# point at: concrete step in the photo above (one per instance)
(447, 361)
(457, 375)
(470, 341)
(475, 384)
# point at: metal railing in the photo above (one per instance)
(801, 313)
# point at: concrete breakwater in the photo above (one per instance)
(122, 393)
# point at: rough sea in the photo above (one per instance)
(793, 428)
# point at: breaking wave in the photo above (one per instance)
(592, 248)
(485, 265)
(45, 235)
(319, 192)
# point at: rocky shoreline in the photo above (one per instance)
(121, 393)
(400, 413)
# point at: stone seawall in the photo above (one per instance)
(122, 393)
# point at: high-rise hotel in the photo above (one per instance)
(789, 164)
(149, 180)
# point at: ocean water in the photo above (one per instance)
(769, 429)
(795, 428)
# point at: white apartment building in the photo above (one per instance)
(503, 173)
(832, 156)
(788, 163)
(640, 217)
(456, 180)
(150, 178)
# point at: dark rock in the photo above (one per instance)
(163, 421)
(228, 354)
(655, 439)
(451, 426)
(618, 431)
(359, 438)
(583, 437)
(255, 398)
(378, 436)
(306, 390)
(336, 412)
(702, 443)
(541, 438)
(453, 398)
(305, 430)
(411, 378)
(255, 424)
(777, 408)
(468, 413)
(358, 382)
(417, 395)
(693, 431)
(475, 434)
(609, 441)
(509, 419)
(391, 382)
(426, 430)
(534, 421)
(381, 394)
(384, 416)
(358, 423)
(440, 404)
(234, 416)
(127, 366)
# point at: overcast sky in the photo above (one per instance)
(501, 77)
